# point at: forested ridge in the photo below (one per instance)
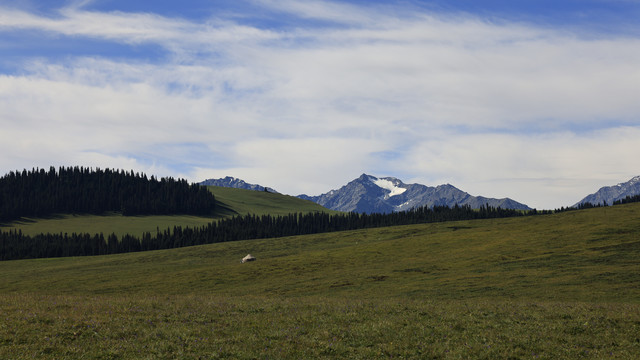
(39, 193)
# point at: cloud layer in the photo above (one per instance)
(539, 114)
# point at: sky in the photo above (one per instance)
(536, 100)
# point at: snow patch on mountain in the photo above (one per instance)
(369, 194)
(630, 184)
(389, 185)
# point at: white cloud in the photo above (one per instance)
(323, 10)
(296, 166)
(542, 170)
(497, 109)
(180, 36)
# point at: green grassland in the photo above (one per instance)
(214, 327)
(555, 286)
(230, 202)
(106, 224)
(242, 202)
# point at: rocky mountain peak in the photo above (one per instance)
(232, 182)
(370, 194)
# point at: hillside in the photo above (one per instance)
(243, 201)
(229, 202)
(589, 255)
(553, 286)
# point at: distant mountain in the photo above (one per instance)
(609, 194)
(232, 182)
(368, 194)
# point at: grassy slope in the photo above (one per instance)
(556, 286)
(261, 203)
(586, 255)
(230, 201)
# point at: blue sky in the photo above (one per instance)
(533, 100)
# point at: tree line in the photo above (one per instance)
(15, 245)
(40, 193)
(627, 200)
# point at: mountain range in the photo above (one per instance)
(369, 194)
(232, 182)
(609, 194)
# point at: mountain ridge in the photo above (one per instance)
(232, 182)
(609, 194)
(369, 194)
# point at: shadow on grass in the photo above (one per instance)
(32, 220)
(224, 210)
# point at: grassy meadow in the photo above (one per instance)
(107, 224)
(222, 327)
(555, 286)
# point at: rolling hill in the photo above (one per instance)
(243, 201)
(590, 254)
(564, 285)
(229, 201)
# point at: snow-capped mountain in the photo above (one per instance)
(369, 194)
(609, 194)
(232, 182)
